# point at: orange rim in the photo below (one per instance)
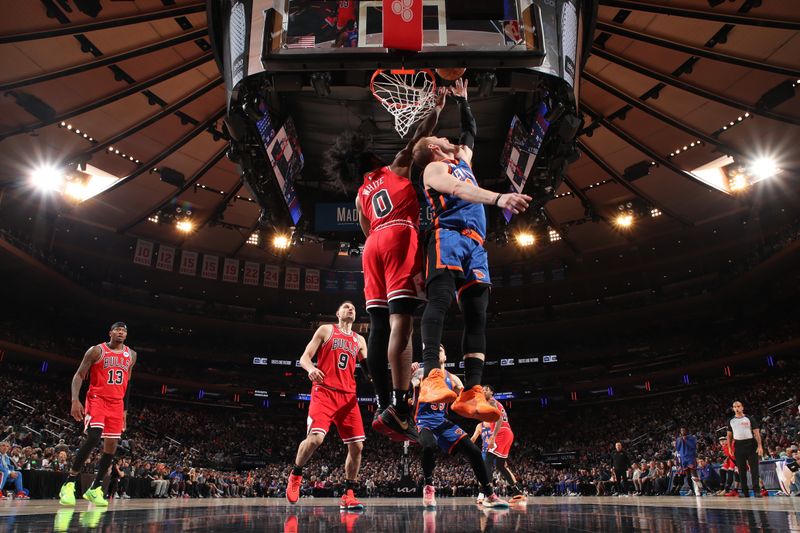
(383, 101)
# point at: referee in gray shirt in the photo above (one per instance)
(745, 432)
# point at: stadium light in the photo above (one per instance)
(763, 168)
(525, 239)
(624, 221)
(47, 178)
(185, 225)
(281, 241)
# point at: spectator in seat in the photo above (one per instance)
(709, 479)
(10, 473)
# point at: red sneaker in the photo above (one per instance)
(764, 493)
(732, 494)
(349, 502)
(293, 488)
(471, 403)
(349, 520)
(433, 389)
(21, 496)
(290, 524)
(429, 496)
(2, 496)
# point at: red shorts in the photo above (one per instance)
(392, 266)
(729, 464)
(341, 408)
(105, 414)
(502, 443)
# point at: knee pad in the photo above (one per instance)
(474, 302)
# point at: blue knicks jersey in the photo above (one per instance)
(486, 434)
(432, 414)
(451, 212)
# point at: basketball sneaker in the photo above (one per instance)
(290, 524)
(95, 496)
(471, 403)
(349, 519)
(21, 496)
(349, 502)
(495, 502)
(67, 494)
(293, 488)
(480, 498)
(394, 426)
(733, 493)
(63, 519)
(92, 518)
(433, 389)
(429, 496)
(519, 499)
(764, 493)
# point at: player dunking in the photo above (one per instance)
(457, 260)
(389, 216)
(497, 439)
(333, 400)
(108, 366)
(435, 430)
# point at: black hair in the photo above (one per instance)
(346, 162)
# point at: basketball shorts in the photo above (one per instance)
(459, 253)
(446, 433)
(688, 462)
(392, 266)
(729, 464)
(340, 408)
(502, 443)
(106, 414)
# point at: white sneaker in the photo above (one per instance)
(479, 500)
(495, 502)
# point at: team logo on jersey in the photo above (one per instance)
(126, 354)
(478, 274)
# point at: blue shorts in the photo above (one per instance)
(688, 462)
(463, 255)
(446, 433)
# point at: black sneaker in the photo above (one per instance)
(388, 423)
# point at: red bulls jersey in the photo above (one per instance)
(108, 377)
(505, 425)
(345, 13)
(337, 360)
(388, 200)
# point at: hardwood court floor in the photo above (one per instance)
(390, 515)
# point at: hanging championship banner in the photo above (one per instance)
(350, 280)
(272, 276)
(292, 279)
(188, 263)
(166, 257)
(230, 270)
(312, 280)
(143, 255)
(210, 267)
(251, 271)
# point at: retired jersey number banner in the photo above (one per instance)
(230, 270)
(144, 253)
(272, 275)
(251, 271)
(210, 267)
(292, 279)
(166, 257)
(188, 263)
(312, 280)
(402, 24)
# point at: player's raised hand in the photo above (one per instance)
(414, 366)
(459, 89)
(441, 97)
(77, 410)
(316, 375)
(514, 202)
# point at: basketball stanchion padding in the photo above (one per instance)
(409, 95)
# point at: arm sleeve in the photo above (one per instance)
(469, 129)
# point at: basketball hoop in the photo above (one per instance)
(408, 95)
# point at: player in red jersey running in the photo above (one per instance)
(498, 447)
(333, 400)
(388, 212)
(108, 367)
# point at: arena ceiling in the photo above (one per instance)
(669, 87)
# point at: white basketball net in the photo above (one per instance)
(409, 95)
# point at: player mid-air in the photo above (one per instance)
(108, 367)
(333, 400)
(388, 211)
(456, 260)
(436, 431)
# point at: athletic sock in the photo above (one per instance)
(72, 478)
(473, 371)
(102, 469)
(400, 402)
(297, 470)
(349, 484)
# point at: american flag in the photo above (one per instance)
(303, 41)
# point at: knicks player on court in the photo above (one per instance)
(333, 400)
(108, 367)
(456, 260)
(388, 211)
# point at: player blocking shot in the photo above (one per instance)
(457, 263)
(108, 367)
(437, 431)
(337, 349)
(388, 211)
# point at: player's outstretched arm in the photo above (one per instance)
(402, 161)
(306, 360)
(457, 385)
(469, 128)
(477, 432)
(437, 177)
(91, 356)
(362, 219)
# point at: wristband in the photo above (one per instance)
(496, 200)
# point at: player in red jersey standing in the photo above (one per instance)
(388, 211)
(108, 366)
(498, 447)
(333, 400)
